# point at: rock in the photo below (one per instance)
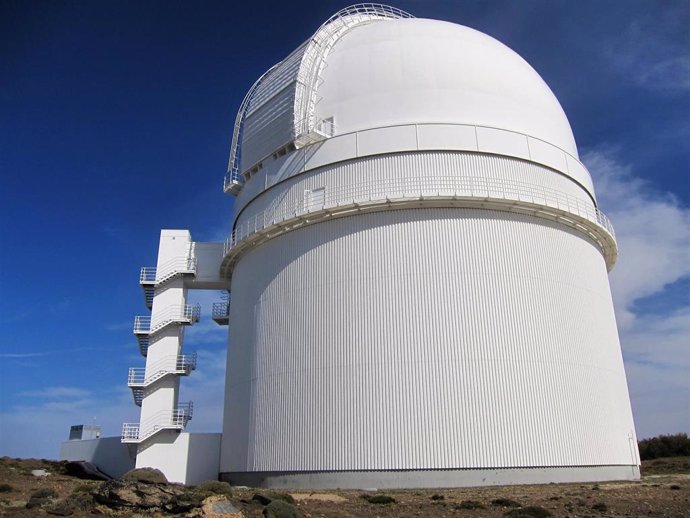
(115, 493)
(102, 510)
(218, 506)
(261, 498)
(282, 509)
(145, 475)
(61, 508)
(39, 473)
(16, 503)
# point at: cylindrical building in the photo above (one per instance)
(418, 271)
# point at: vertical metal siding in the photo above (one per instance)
(427, 338)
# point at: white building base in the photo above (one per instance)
(183, 458)
(405, 479)
(109, 454)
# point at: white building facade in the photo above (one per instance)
(418, 270)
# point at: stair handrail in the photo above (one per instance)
(167, 365)
(176, 418)
(159, 274)
(146, 324)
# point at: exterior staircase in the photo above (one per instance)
(151, 277)
(145, 327)
(176, 419)
(137, 380)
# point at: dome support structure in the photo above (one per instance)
(306, 129)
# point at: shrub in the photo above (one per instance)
(506, 502)
(145, 475)
(281, 509)
(215, 487)
(6, 488)
(83, 488)
(529, 512)
(470, 504)
(379, 499)
(44, 493)
(677, 445)
(266, 497)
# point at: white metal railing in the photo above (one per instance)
(220, 310)
(185, 314)
(306, 129)
(169, 269)
(181, 364)
(416, 188)
(163, 420)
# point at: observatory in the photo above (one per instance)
(418, 270)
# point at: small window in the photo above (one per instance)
(314, 198)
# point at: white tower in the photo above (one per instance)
(419, 271)
(182, 265)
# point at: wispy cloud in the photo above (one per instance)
(56, 393)
(653, 233)
(654, 50)
(22, 355)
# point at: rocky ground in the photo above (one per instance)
(663, 492)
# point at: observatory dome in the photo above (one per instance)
(429, 71)
(382, 83)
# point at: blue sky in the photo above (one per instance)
(115, 122)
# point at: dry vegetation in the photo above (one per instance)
(664, 492)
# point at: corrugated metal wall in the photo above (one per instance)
(427, 338)
(269, 123)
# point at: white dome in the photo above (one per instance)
(427, 71)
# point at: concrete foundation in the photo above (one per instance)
(404, 479)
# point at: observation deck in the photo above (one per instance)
(416, 192)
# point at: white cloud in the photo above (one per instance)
(653, 233)
(206, 388)
(35, 428)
